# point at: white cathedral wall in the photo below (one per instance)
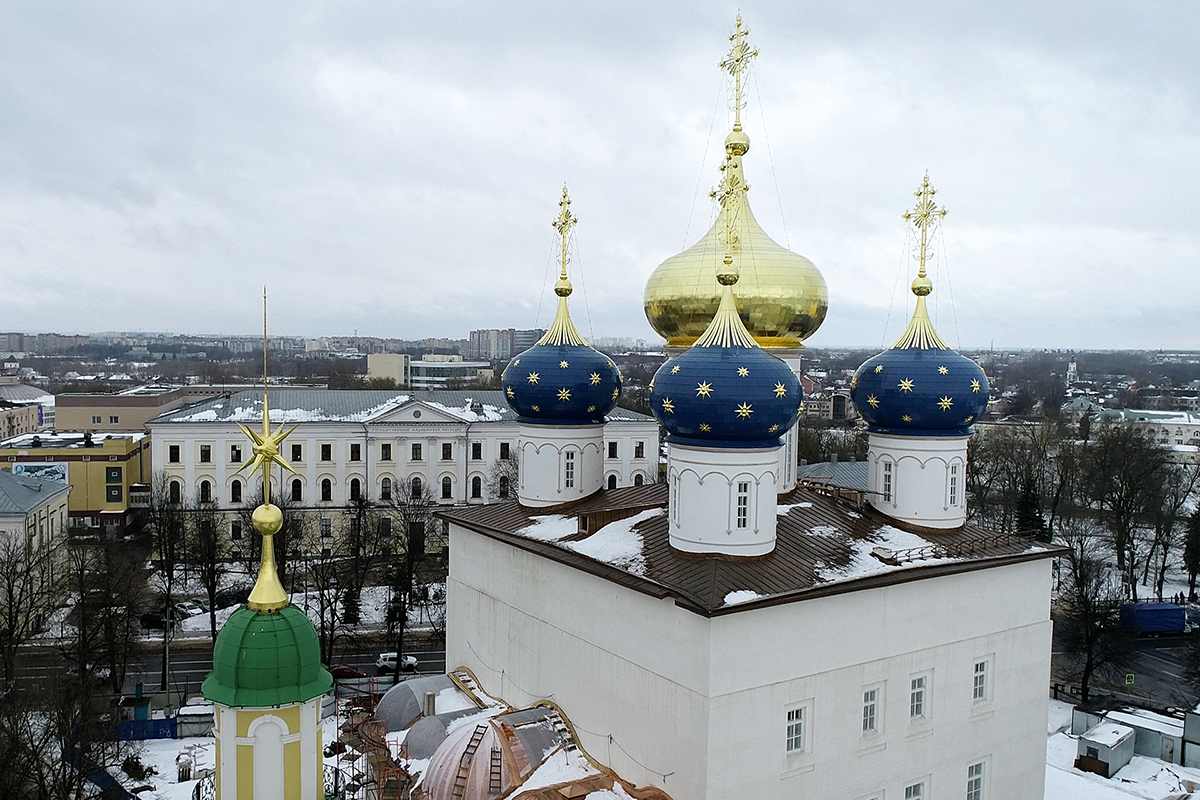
(920, 478)
(844, 645)
(707, 699)
(616, 660)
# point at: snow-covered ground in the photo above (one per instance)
(1145, 778)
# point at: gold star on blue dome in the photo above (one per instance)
(906, 418)
(594, 378)
(517, 363)
(975, 386)
(873, 401)
(674, 369)
(906, 385)
(970, 418)
(591, 409)
(536, 408)
(564, 394)
(743, 372)
(704, 389)
(615, 393)
(668, 406)
(562, 365)
(744, 411)
(945, 403)
(533, 377)
(772, 429)
(510, 392)
(943, 371)
(879, 369)
(854, 382)
(780, 390)
(705, 427)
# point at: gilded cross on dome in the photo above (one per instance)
(924, 215)
(736, 63)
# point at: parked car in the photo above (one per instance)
(187, 609)
(97, 674)
(387, 662)
(154, 620)
(345, 671)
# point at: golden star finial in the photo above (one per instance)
(924, 215)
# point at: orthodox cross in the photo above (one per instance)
(924, 215)
(736, 63)
(563, 224)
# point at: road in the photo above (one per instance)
(191, 661)
(1157, 673)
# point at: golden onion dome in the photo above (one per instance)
(781, 296)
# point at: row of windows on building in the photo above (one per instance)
(204, 452)
(416, 490)
(417, 537)
(798, 735)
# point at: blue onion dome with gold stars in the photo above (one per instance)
(562, 380)
(919, 386)
(725, 391)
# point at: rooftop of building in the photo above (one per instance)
(24, 394)
(20, 494)
(850, 475)
(824, 546)
(1148, 415)
(348, 405)
(50, 441)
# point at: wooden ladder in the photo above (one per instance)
(494, 781)
(464, 763)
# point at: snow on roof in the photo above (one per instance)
(347, 405)
(560, 767)
(59, 440)
(820, 543)
(740, 596)
(1148, 720)
(551, 528)
(617, 543)
(1108, 734)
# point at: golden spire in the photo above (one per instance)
(562, 330)
(924, 215)
(268, 594)
(736, 63)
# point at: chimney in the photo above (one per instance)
(833, 458)
(430, 709)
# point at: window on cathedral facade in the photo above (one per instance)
(917, 700)
(953, 485)
(743, 504)
(975, 781)
(569, 469)
(979, 681)
(795, 730)
(870, 710)
(915, 791)
(887, 481)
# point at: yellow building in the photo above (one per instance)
(100, 468)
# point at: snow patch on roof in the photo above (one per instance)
(560, 767)
(741, 596)
(865, 555)
(783, 509)
(618, 543)
(551, 528)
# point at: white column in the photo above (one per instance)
(723, 500)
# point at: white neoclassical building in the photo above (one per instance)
(350, 444)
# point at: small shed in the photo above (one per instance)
(1105, 748)
(1156, 735)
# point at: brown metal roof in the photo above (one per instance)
(814, 538)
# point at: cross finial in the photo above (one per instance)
(925, 216)
(736, 63)
(563, 224)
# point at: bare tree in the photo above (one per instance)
(53, 737)
(504, 476)
(208, 553)
(165, 518)
(1179, 485)
(30, 586)
(407, 553)
(1089, 611)
(109, 578)
(1126, 474)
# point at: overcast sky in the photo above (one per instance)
(393, 168)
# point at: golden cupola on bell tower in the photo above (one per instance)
(781, 296)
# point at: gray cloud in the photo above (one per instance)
(393, 168)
